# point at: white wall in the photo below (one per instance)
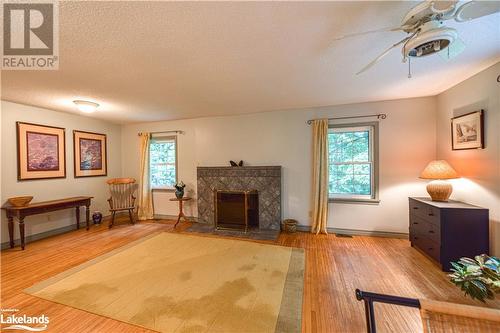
(479, 168)
(1, 155)
(407, 144)
(415, 132)
(53, 188)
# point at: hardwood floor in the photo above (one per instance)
(335, 267)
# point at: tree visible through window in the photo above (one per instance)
(351, 162)
(163, 162)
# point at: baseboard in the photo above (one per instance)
(174, 217)
(53, 232)
(354, 232)
(72, 227)
(304, 228)
(42, 235)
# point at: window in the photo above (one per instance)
(163, 162)
(352, 154)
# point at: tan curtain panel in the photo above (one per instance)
(320, 176)
(145, 205)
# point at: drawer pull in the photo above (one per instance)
(431, 214)
(431, 231)
(430, 249)
(415, 238)
(415, 207)
(415, 222)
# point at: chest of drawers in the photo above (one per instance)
(446, 231)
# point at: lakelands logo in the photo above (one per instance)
(30, 35)
(13, 321)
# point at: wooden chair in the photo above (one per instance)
(437, 317)
(122, 197)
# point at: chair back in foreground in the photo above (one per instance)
(440, 317)
(437, 317)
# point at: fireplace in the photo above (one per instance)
(264, 179)
(236, 209)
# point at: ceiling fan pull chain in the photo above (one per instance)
(409, 67)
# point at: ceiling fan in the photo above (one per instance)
(426, 32)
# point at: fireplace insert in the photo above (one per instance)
(236, 209)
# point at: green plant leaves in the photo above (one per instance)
(479, 277)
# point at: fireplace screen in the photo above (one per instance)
(236, 209)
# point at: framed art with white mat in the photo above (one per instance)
(89, 151)
(467, 131)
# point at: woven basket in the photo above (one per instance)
(20, 201)
(290, 225)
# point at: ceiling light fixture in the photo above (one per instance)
(86, 106)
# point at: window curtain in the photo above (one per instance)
(145, 206)
(320, 176)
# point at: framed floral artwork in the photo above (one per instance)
(89, 151)
(41, 152)
(467, 131)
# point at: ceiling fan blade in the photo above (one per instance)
(475, 9)
(453, 50)
(442, 6)
(368, 32)
(383, 54)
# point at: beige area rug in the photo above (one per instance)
(184, 283)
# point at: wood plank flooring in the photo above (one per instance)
(335, 267)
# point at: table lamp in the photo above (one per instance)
(439, 189)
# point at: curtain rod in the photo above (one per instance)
(379, 116)
(162, 132)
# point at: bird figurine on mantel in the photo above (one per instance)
(234, 164)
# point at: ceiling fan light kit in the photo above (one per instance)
(427, 34)
(429, 41)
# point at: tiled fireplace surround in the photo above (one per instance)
(265, 179)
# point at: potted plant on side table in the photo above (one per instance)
(179, 190)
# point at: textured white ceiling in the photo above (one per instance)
(146, 61)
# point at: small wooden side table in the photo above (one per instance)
(181, 212)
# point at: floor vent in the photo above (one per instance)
(343, 235)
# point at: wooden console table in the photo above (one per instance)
(44, 207)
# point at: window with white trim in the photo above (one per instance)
(353, 162)
(163, 162)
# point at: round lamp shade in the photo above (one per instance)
(439, 169)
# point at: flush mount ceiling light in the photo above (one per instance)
(86, 106)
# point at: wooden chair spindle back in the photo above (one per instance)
(122, 192)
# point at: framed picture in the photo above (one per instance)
(41, 152)
(467, 131)
(89, 154)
